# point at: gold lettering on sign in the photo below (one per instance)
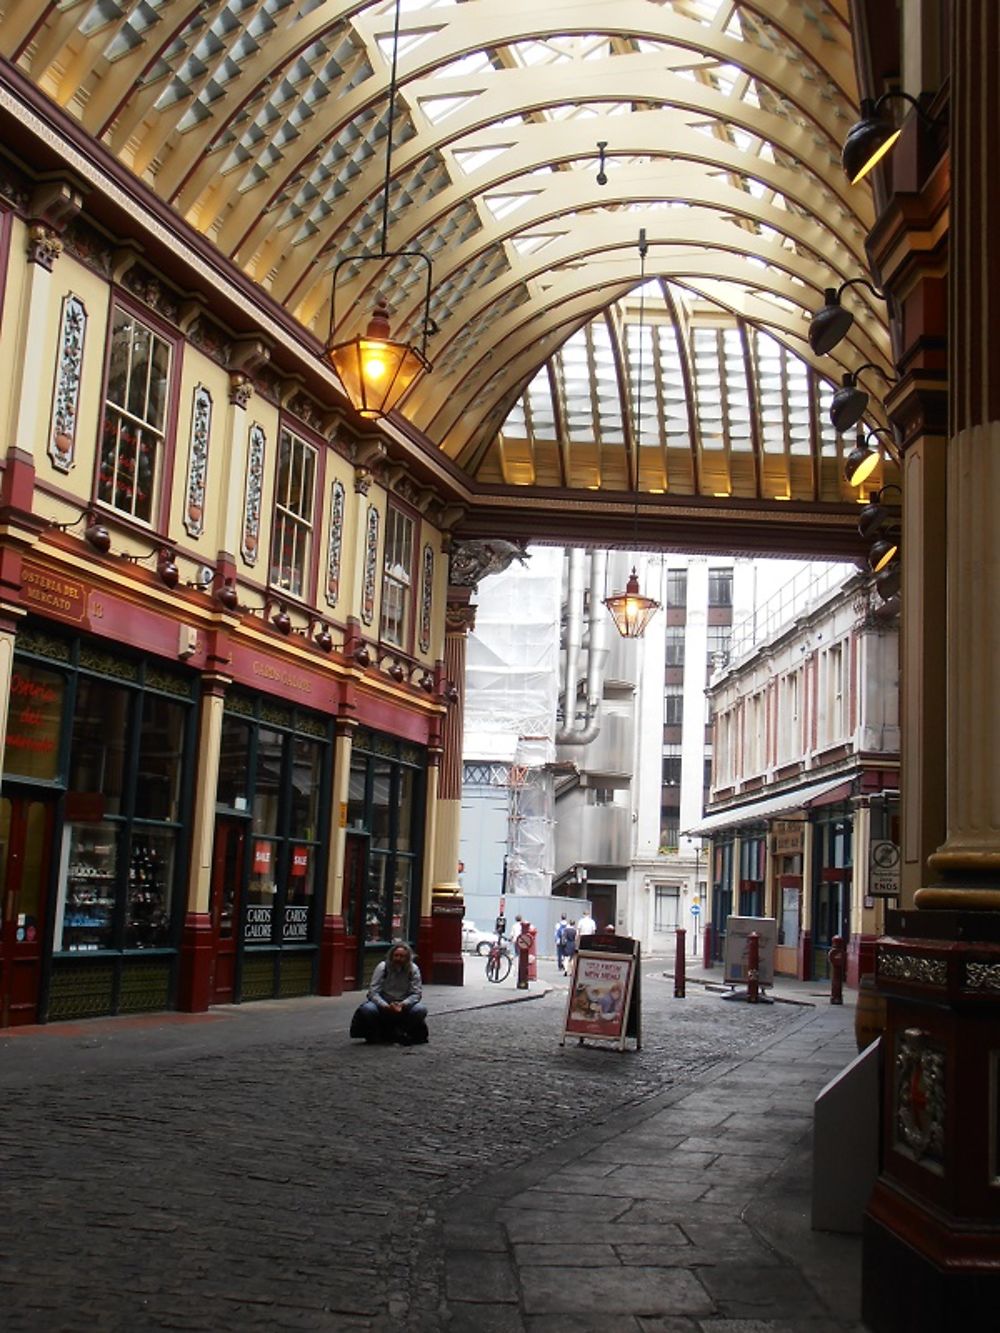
(50, 592)
(282, 676)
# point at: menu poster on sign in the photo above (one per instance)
(600, 992)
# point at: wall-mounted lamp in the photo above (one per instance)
(881, 521)
(376, 369)
(95, 534)
(602, 175)
(166, 566)
(362, 655)
(833, 322)
(850, 402)
(323, 639)
(227, 596)
(281, 620)
(864, 457)
(871, 138)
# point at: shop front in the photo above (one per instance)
(833, 853)
(384, 852)
(94, 809)
(268, 868)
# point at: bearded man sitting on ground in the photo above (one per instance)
(393, 1010)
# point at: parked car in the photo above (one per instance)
(475, 940)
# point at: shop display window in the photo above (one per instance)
(97, 751)
(304, 789)
(791, 916)
(86, 920)
(234, 763)
(267, 780)
(149, 893)
(277, 770)
(382, 804)
(386, 802)
(299, 895)
(34, 723)
(161, 745)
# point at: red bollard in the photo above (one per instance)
(838, 958)
(523, 945)
(680, 976)
(753, 968)
(706, 942)
(532, 952)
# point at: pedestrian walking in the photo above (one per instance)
(569, 941)
(560, 931)
(588, 926)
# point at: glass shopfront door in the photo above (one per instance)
(25, 847)
(227, 882)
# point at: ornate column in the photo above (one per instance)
(333, 940)
(425, 929)
(448, 906)
(197, 945)
(931, 1259)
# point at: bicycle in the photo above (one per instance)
(498, 960)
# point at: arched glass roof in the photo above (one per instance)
(263, 123)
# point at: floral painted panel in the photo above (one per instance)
(335, 548)
(201, 428)
(253, 496)
(371, 566)
(426, 598)
(66, 401)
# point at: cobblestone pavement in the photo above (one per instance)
(255, 1169)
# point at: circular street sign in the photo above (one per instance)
(696, 909)
(885, 855)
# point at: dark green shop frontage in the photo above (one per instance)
(94, 812)
(96, 809)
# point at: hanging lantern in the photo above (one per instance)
(375, 368)
(630, 611)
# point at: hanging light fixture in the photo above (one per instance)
(630, 610)
(850, 402)
(864, 457)
(833, 322)
(874, 135)
(881, 521)
(375, 368)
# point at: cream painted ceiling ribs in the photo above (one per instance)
(263, 123)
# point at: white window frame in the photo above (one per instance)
(397, 577)
(128, 425)
(294, 514)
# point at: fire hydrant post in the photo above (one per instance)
(837, 960)
(680, 964)
(523, 943)
(753, 968)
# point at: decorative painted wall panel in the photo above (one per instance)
(69, 370)
(335, 548)
(426, 597)
(371, 566)
(197, 475)
(257, 443)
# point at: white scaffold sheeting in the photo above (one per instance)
(512, 663)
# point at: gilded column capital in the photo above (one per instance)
(44, 246)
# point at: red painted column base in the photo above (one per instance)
(446, 942)
(860, 959)
(332, 945)
(194, 988)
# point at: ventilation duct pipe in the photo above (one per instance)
(597, 648)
